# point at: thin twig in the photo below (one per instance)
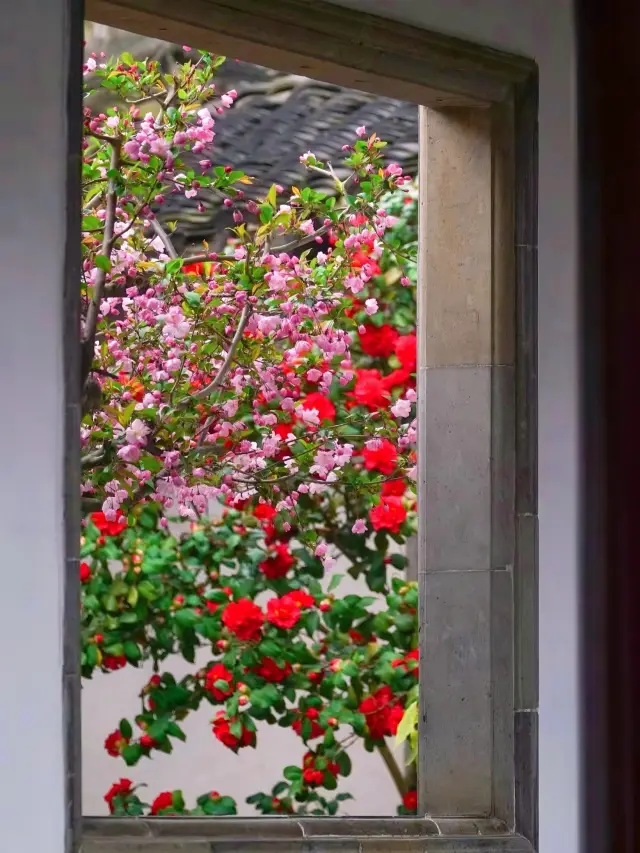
(226, 365)
(93, 310)
(166, 240)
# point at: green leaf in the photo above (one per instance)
(330, 782)
(103, 263)
(91, 223)
(127, 58)
(125, 729)
(186, 618)
(132, 754)
(132, 597)
(194, 300)
(335, 582)
(132, 651)
(408, 724)
(174, 266)
(153, 464)
(266, 214)
(178, 801)
(292, 773)
(344, 763)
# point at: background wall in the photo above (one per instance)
(543, 30)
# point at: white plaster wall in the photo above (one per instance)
(543, 30)
(32, 208)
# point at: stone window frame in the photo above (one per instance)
(477, 541)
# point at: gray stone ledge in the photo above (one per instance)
(307, 835)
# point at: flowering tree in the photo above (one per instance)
(276, 383)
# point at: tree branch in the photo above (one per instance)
(395, 772)
(226, 365)
(91, 320)
(166, 240)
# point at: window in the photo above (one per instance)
(477, 418)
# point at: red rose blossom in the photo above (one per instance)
(406, 350)
(393, 488)
(389, 514)
(283, 612)
(278, 564)
(300, 598)
(384, 458)
(122, 788)
(222, 732)
(85, 572)
(162, 801)
(107, 528)
(218, 672)
(115, 743)
(243, 618)
(370, 390)
(323, 405)
(410, 801)
(378, 341)
(271, 671)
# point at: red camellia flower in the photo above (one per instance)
(384, 458)
(219, 672)
(107, 528)
(323, 405)
(316, 729)
(162, 801)
(278, 564)
(389, 514)
(393, 488)
(114, 662)
(243, 618)
(378, 341)
(300, 598)
(283, 612)
(271, 671)
(406, 349)
(121, 788)
(370, 390)
(383, 712)
(85, 572)
(115, 743)
(222, 732)
(410, 801)
(312, 777)
(264, 512)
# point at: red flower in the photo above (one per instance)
(359, 639)
(147, 742)
(283, 612)
(123, 788)
(300, 598)
(243, 618)
(162, 801)
(132, 385)
(323, 405)
(397, 379)
(114, 662)
(406, 350)
(389, 514)
(271, 671)
(264, 511)
(278, 564)
(115, 743)
(312, 777)
(85, 572)
(393, 488)
(383, 712)
(219, 672)
(222, 731)
(316, 729)
(370, 390)
(378, 341)
(410, 801)
(107, 528)
(383, 458)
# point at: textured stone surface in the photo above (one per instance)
(454, 773)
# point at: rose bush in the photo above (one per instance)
(282, 386)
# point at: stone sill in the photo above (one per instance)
(307, 835)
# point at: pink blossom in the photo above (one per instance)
(371, 306)
(359, 527)
(401, 409)
(361, 131)
(137, 432)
